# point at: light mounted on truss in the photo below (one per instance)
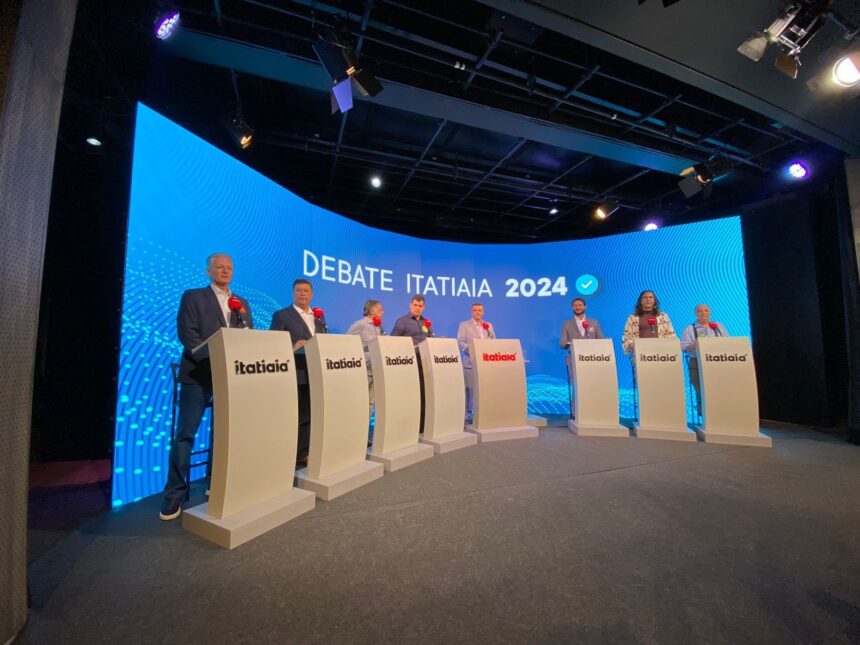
(791, 31)
(336, 55)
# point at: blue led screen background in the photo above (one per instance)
(189, 199)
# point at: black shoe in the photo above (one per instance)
(170, 509)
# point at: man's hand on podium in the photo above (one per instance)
(298, 344)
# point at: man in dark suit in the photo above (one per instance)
(202, 312)
(415, 325)
(300, 321)
(579, 326)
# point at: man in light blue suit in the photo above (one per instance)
(475, 327)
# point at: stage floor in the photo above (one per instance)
(555, 539)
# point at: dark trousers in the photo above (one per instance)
(420, 390)
(193, 400)
(304, 439)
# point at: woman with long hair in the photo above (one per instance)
(647, 321)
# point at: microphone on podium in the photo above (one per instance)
(235, 305)
(320, 315)
(486, 327)
(716, 328)
(377, 322)
(653, 322)
(586, 325)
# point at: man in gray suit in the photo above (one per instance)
(579, 326)
(202, 312)
(303, 323)
(475, 327)
(369, 328)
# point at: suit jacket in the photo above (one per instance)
(570, 331)
(198, 318)
(466, 332)
(288, 319)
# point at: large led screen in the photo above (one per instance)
(188, 199)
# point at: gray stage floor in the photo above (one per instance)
(556, 539)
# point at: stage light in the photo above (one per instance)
(166, 23)
(846, 71)
(241, 132)
(701, 177)
(93, 141)
(605, 209)
(650, 226)
(376, 181)
(798, 170)
(339, 61)
(553, 211)
(791, 31)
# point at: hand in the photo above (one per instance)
(692, 346)
(298, 344)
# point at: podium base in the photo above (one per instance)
(670, 435)
(238, 528)
(451, 442)
(402, 458)
(336, 484)
(503, 434)
(586, 430)
(537, 422)
(758, 440)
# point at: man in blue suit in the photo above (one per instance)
(300, 321)
(202, 312)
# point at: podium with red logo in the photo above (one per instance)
(729, 392)
(592, 366)
(662, 395)
(337, 460)
(501, 400)
(254, 454)
(444, 395)
(396, 390)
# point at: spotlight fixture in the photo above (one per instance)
(605, 209)
(166, 21)
(553, 211)
(797, 170)
(335, 53)
(650, 226)
(701, 177)
(93, 141)
(791, 31)
(376, 181)
(846, 71)
(242, 133)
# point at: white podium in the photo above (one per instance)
(444, 395)
(339, 419)
(729, 392)
(501, 402)
(659, 369)
(398, 400)
(254, 454)
(592, 368)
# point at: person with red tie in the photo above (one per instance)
(202, 312)
(475, 327)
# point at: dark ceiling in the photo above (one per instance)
(536, 121)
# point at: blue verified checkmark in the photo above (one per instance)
(586, 284)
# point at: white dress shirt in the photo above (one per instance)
(223, 297)
(308, 317)
(579, 324)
